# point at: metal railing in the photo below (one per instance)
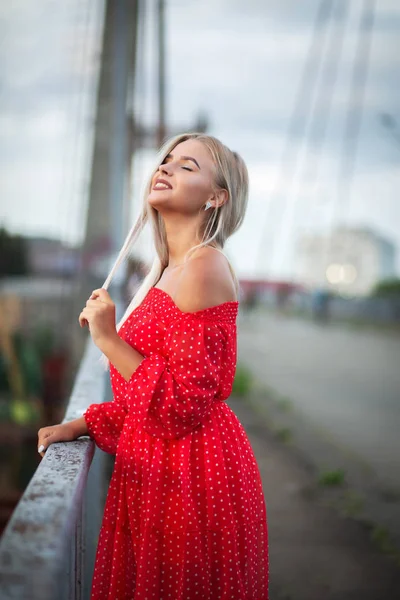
(48, 547)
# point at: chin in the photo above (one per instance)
(159, 194)
(158, 200)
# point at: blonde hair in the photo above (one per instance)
(230, 174)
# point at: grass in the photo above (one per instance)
(331, 478)
(284, 434)
(381, 537)
(352, 504)
(284, 404)
(243, 382)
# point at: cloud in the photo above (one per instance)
(247, 76)
(239, 61)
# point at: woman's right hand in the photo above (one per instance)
(54, 433)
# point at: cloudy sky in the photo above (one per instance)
(243, 64)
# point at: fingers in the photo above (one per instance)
(53, 433)
(42, 449)
(84, 316)
(92, 303)
(46, 443)
(43, 441)
(41, 446)
(82, 321)
(96, 295)
(103, 295)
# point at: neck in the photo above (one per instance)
(181, 236)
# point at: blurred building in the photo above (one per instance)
(49, 256)
(349, 260)
(268, 292)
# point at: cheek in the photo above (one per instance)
(198, 187)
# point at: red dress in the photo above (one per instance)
(185, 515)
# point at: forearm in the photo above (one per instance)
(78, 427)
(124, 358)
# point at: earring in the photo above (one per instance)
(208, 205)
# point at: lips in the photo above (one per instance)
(166, 185)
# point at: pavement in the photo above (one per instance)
(316, 551)
(344, 380)
(336, 392)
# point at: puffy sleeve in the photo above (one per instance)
(171, 392)
(105, 422)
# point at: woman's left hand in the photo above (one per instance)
(99, 314)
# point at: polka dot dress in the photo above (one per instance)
(185, 515)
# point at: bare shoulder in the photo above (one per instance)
(205, 281)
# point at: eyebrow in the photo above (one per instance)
(185, 158)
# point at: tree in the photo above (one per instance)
(13, 254)
(387, 288)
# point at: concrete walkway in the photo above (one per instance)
(344, 381)
(315, 554)
(341, 402)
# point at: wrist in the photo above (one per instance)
(107, 345)
(78, 427)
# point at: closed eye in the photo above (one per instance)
(164, 162)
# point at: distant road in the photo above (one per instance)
(344, 380)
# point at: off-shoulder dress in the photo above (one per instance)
(185, 514)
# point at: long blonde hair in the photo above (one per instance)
(230, 174)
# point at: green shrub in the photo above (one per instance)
(243, 381)
(335, 477)
(284, 435)
(387, 287)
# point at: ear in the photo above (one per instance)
(221, 196)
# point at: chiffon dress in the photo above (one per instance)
(185, 515)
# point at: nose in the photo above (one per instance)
(164, 168)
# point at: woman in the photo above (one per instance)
(185, 515)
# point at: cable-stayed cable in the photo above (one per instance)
(308, 169)
(75, 183)
(298, 120)
(355, 107)
(353, 121)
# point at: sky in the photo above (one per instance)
(242, 64)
